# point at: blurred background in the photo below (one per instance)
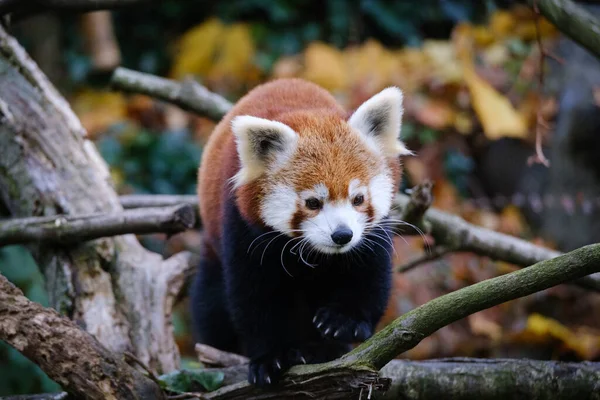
(470, 71)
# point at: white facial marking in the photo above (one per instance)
(378, 120)
(262, 145)
(319, 191)
(278, 208)
(354, 189)
(381, 190)
(319, 228)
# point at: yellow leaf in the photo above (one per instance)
(235, 56)
(196, 49)
(585, 344)
(502, 23)
(324, 65)
(497, 115)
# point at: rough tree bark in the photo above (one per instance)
(59, 346)
(119, 292)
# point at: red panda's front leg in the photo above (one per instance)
(264, 315)
(357, 302)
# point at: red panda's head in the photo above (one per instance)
(318, 176)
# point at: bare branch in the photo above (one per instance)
(433, 254)
(67, 354)
(454, 232)
(65, 229)
(157, 200)
(573, 21)
(188, 94)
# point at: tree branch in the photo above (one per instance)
(408, 330)
(157, 200)
(188, 94)
(67, 354)
(497, 379)
(451, 232)
(572, 20)
(67, 229)
(357, 371)
(454, 232)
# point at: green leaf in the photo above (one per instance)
(184, 381)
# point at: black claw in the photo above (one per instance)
(343, 327)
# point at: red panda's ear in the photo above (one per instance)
(262, 144)
(379, 120)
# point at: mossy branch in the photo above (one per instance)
(356, 371)
(407, 331)
(572, 20)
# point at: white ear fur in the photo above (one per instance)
(261, 144)
(379, 120)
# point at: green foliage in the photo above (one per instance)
(146, 34)
(152, 163)
(192, 381)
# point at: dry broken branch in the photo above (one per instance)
(67, 229)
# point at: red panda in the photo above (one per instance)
(294, 199)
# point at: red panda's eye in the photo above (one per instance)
(313, 204)
(358, 200)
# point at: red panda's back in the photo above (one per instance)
(220, 160)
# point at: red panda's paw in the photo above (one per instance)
(333, 324)
(266, 370)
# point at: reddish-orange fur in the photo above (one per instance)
(329, 152)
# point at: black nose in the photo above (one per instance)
(342, 235)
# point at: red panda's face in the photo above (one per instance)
(319, 177)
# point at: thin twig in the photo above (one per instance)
(539, 156)
(435, 253)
